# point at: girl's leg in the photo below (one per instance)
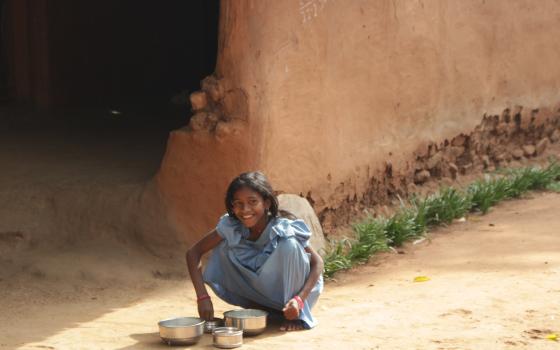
(280, 278)
(286, 271)
(225, 279)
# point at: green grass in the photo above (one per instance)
(554, 187)
(414, 218)
(442, 207)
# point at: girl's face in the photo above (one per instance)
(250, 208)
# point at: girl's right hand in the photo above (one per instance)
(206, 309)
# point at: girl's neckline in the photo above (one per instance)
(248, 238)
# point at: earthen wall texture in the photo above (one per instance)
(322, 94)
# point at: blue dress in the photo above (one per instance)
(269, 271)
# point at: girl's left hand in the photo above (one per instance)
(291, 310)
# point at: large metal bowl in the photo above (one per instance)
(251, 321)
(181, 330)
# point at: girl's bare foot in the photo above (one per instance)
(292, 325)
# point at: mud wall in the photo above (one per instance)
(323, 94)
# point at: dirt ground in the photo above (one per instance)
(494, 284)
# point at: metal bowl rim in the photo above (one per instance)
(202, 322)
(228, 314)
(227, 331)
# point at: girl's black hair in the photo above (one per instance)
(257, 182)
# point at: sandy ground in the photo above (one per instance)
(494, 284)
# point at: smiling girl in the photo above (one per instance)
(260, 260)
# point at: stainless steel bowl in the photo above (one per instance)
(251, 321)
(227, 337)
(181, 330)
(213, 323)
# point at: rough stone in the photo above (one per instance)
(434, 160)
(459, 140)
(411, 188)
(433, 149)
(419, 165)
(225, 128)
(511, 129)
(528, 150)
(555, 136)
(485, 160)
(541, 146)
(517, 153)
(478, 168)
(213, 87)
(500, 157)
(301, 208)
(457, 151)
(502, 128)
(198, 121)
(549, 128)
(421, 176)
(199, 101)
(466, 168)
(453, 169)
(514, 164)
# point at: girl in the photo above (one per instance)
(260, 260)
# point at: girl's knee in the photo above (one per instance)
(292, 255)
(288, 246)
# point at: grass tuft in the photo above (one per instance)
(413, 219)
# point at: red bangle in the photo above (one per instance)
(202, 297)
(299, 301)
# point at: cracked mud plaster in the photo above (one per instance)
(498, 141)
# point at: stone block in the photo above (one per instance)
(213, 87)
(541, 146)
(517, 153)
(500, 157)
(434, 160)
(421, 176)
(457, 151)
(528, 150)
(465, 169)
(198, 121)
(555, 136)
(453, 169)
(459, 140)
(199, 101)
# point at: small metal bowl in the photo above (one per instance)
(181, 330)
(213, 323)
(251, 321)
(227, 337)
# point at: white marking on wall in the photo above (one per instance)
(309, 9)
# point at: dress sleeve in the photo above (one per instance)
(301, 231)
(293, 228)
(227, 228)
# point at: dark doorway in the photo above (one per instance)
(93, 87)
(129, 56)
(132, 56)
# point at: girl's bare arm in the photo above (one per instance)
(194, 254)
(316, 264)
